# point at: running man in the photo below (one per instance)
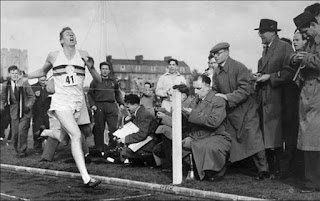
(68, 65)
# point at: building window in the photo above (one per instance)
(122, 67)
(181, 69)
(153, 68)
(138, 68)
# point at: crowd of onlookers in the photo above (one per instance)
(229, 115)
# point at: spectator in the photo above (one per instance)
(163, 150)
(212, 65)
(4, 115)
(147, 96)
(167, 81)
(39, 111)
(104, 98)
(309, 106)
(208, 140)
(21, 99)
(269, 88)
(232, 82)
(147, 124)
(290, 158)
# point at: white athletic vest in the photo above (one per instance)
(68, 75)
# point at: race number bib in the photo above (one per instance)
(69, 79)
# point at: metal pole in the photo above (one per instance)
(176, 138)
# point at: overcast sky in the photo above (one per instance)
(184, 30)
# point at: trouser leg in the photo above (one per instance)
(99, 128)
(36, 124)
(24, 126)
(312, 169)
(261, 162)
(15, 133)
(50, 148)
(112, 113)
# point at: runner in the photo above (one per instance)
(68, 74)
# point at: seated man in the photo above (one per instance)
(163, 150)
(147, 124)
(208, 141)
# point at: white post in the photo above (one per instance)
(176, 138)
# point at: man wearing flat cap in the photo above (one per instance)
(232, 82)
(270, 85)
(309, 107)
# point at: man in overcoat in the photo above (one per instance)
(232, 82)
(269, 88)
(309, 107)
(39, 111)
(21, 99)
(208, 140)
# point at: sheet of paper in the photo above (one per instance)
(127, 129)
(136, 146)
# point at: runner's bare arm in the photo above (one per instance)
(90, 64)
(46, 67)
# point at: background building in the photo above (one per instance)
(127, 71)
(13, 57)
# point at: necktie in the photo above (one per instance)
(266, 49)
(16, 91)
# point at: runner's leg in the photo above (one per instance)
(70, 125)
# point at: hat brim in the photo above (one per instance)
(258, 29)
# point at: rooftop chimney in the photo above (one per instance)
(166, 59)
(139, 59)
(109, 58)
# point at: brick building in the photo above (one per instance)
(126, 70)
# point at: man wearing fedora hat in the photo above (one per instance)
(309, 110)
(270, 86)
(232, 82)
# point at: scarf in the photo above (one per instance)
(20, 98)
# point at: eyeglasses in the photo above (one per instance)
(218, 53)
(211, 62)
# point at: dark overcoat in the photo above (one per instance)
(210, 144)
(270, 92)
(233, 80)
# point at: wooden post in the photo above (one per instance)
(176, 138)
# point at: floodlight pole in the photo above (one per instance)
(176, 138)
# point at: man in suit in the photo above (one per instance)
(147, 125)
(40, 109)
(21, 99)
(270, 84)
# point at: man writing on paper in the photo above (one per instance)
(147, 124)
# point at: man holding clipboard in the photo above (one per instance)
(139, 140)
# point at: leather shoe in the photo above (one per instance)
(92, 183)
(263, 175)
